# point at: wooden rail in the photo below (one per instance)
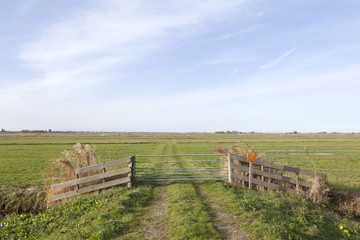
(97, 181)
(270, 175)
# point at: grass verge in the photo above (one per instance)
(272, 215)
(22, 200)
(102, 216)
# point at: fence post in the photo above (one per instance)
(77, 185)
(250, 174)
(262, 177)
(130, 175)
(133, 168)
(104, 171)
(297, 182)
(229, 168)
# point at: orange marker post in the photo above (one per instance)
(251, 157)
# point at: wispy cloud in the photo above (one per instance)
(234, 34)
(116, 30)
(234, 72)
(279, 59)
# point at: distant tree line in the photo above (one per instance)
(36, 131)
(293, 132)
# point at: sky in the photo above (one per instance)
(180, 65)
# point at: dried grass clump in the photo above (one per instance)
(63, 168)
(238, 150)
(346, 203)
(319, 190)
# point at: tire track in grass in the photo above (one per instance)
(180, 210)
(224, 222)
(155, 221)
(190, 216)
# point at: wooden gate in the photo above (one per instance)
(176, 168)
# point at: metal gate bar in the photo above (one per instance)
(181, 173)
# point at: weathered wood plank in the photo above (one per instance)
(261, 183)
(241, 168)
(285, 168)
(102, 165)
(240, 177)
(117, 162)
(90, 168)
(64, 195)
(91, 178)
(301, 182)
(273, 186)
(91, 188)
(104, 185)
(239, 158)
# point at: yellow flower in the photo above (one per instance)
(347, 233)
(341, 227)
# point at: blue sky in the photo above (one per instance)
(112, 65)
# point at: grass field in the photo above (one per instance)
(24, 157)
(182, 210)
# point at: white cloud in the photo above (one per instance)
(113, 33)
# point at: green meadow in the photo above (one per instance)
(24, 157)
(180, 210)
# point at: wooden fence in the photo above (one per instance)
(237, 170)
(95, 177)
(269, 175)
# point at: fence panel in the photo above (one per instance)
(94, 182)
(274, 174)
